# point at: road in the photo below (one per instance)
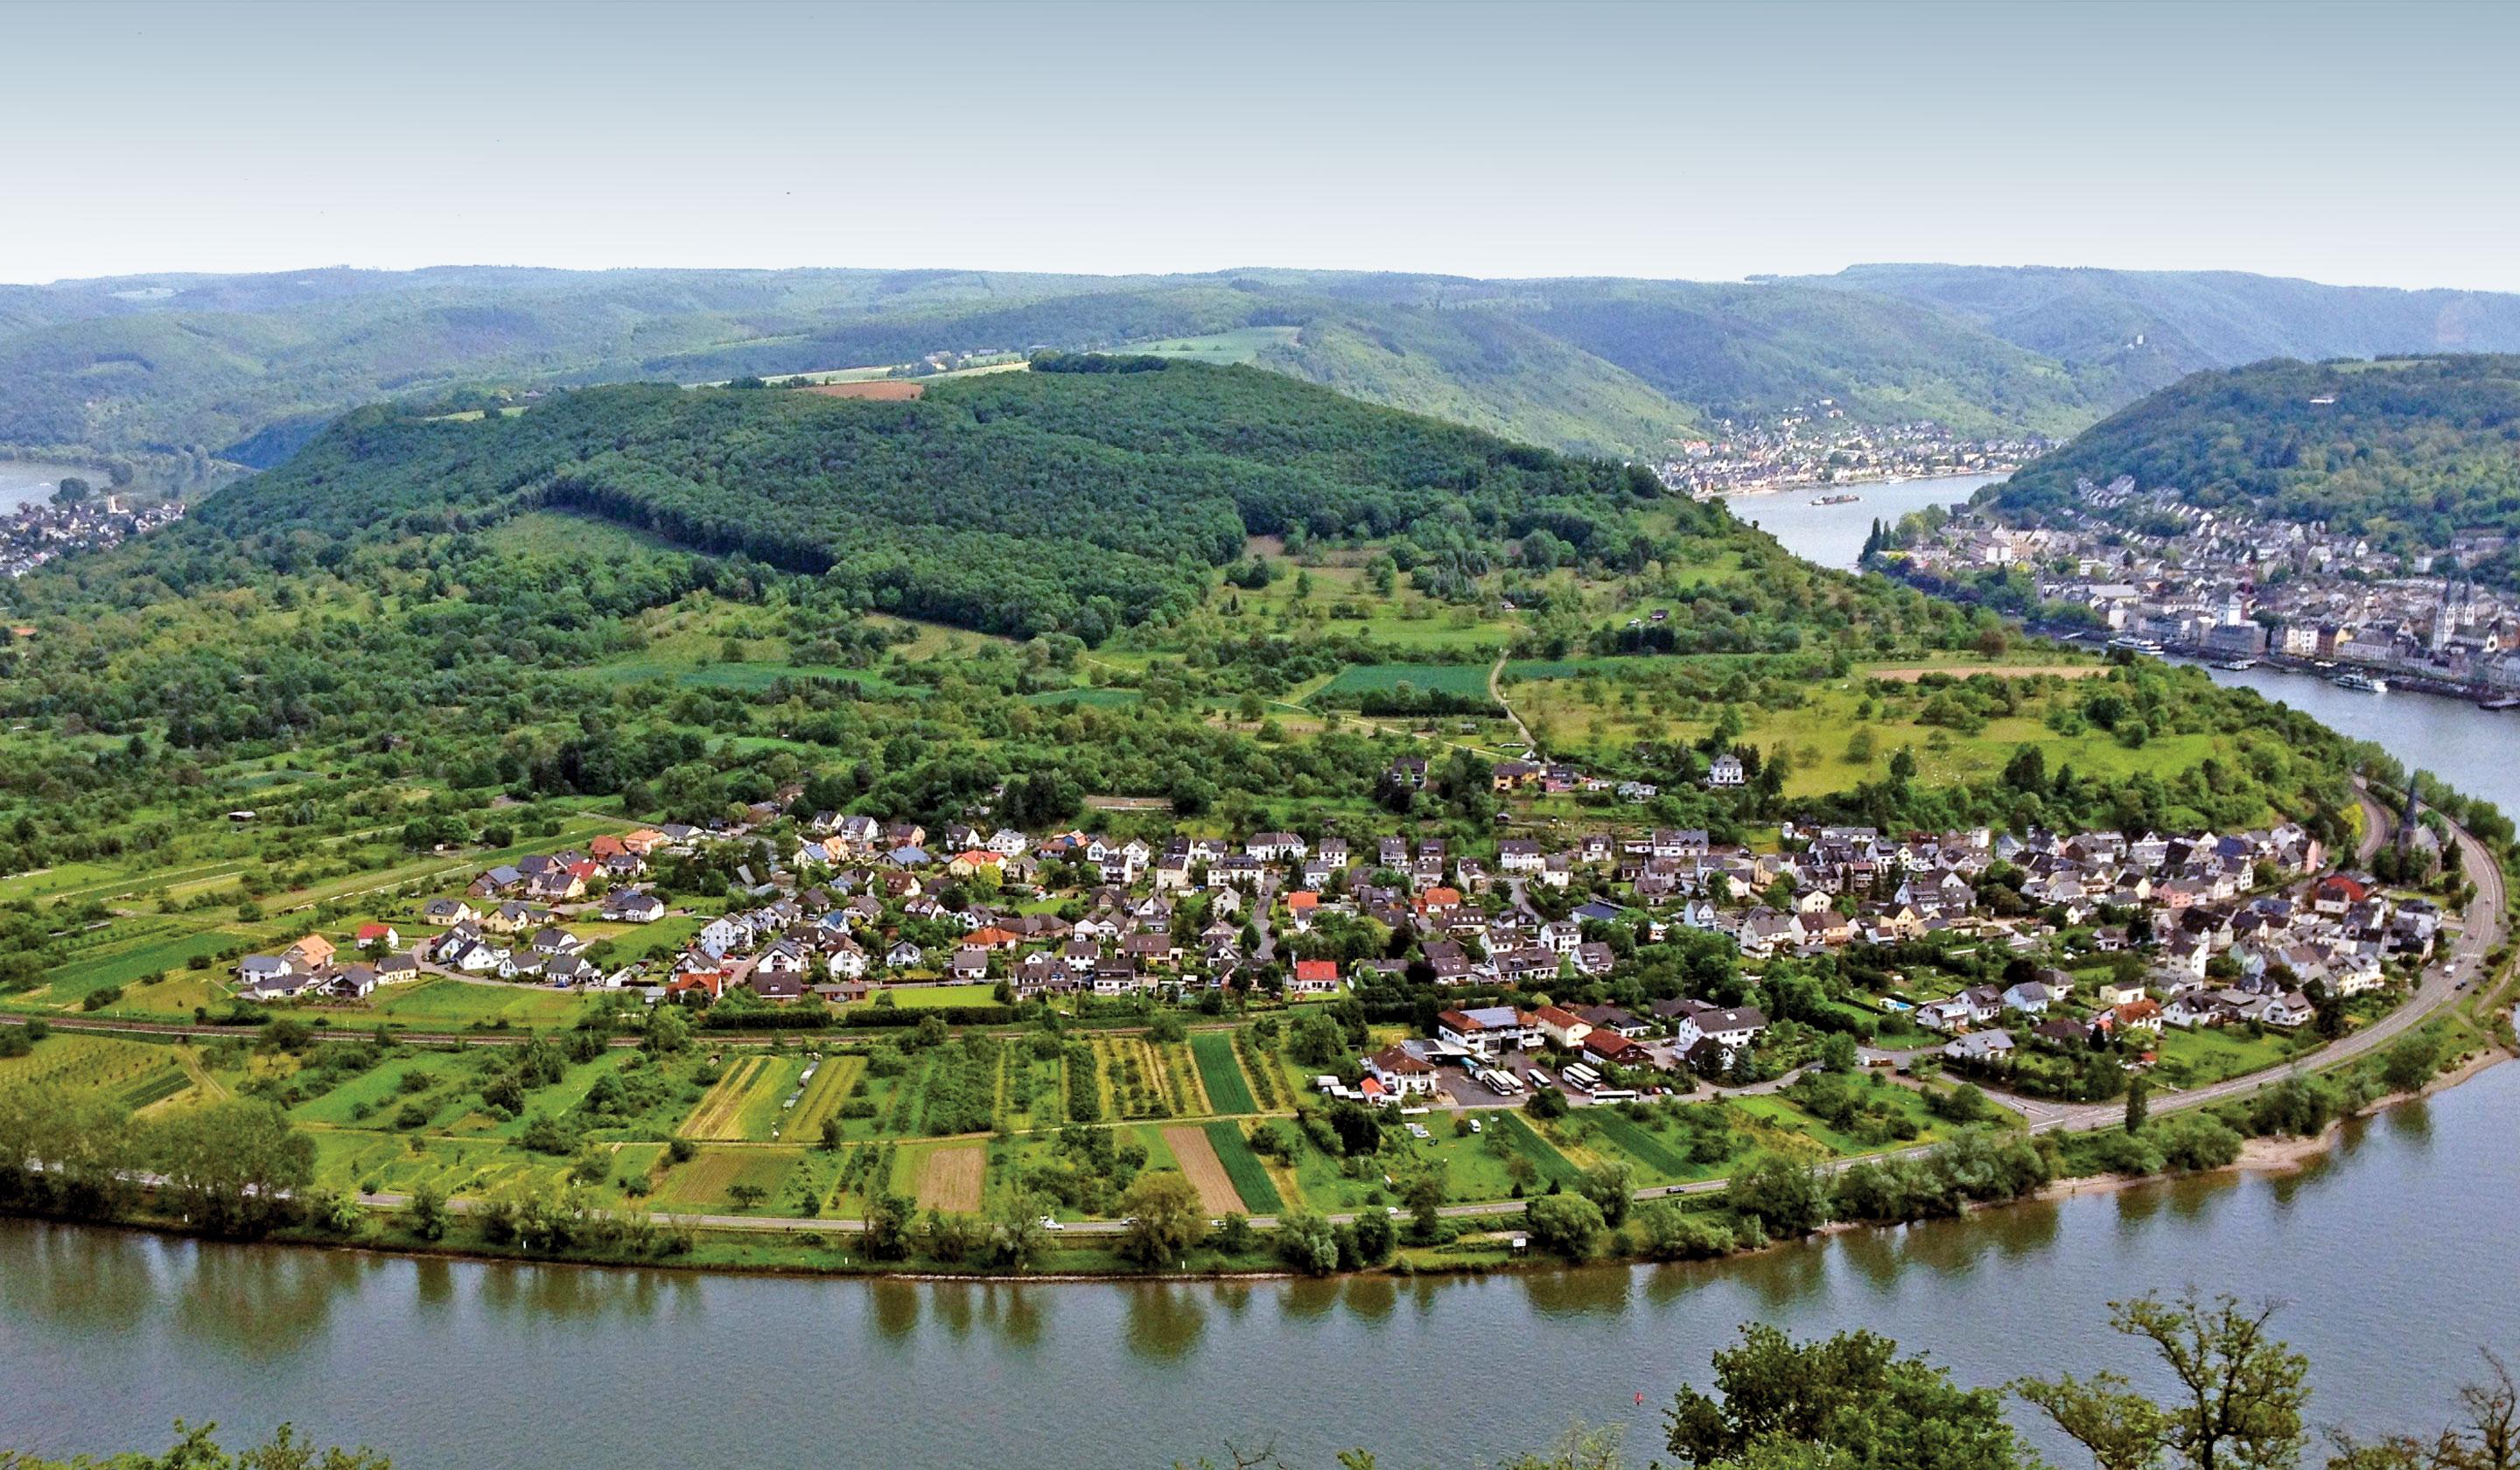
(1495, 693)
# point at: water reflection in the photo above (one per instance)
(1166, 1320)
(259, 1334)
(1599, 1291)
(896, 1307)
(263, 1302)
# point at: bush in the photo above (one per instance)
(1564, 1224)
(104, 996)
(1672, 1233)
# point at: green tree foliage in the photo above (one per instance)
(2238, 1398)
(1850, 1400)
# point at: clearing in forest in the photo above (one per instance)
(949, 1179)
(1205, 1172)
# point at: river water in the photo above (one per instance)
(24, 482)
(2395, 1250)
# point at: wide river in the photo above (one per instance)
(2395, 1252)
(23, 483)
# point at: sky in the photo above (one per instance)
(2362, 145)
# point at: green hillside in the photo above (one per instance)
(175, 377)
(2405, 451)
(1017, 503)
(2149, 327)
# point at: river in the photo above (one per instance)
(24, 482)
(2390, 1249)
(1833, 535)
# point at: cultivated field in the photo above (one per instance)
(824, 1091)
(707, 1179)
(719, 1114)
(1200, 1166)
(949, 1179)
(1221, 1074)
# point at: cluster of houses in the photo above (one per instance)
(830, 920)
(2338, 931)
(315, 967)
(2147, 564)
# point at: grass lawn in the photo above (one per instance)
(436, 1003)
(1242, 344)
(2212, 1054)
(1467, 680)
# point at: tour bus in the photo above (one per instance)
(1580, 1075)
(1613, 1095)
(1500, 1082)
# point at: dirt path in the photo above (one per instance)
(1497, 693)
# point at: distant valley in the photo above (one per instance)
(180, 378)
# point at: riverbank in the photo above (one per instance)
(809, 1250)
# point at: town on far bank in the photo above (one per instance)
(2149, 571)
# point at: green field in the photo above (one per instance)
(824, 1094)
(1222, 1074)
(1244, 1167)
(1467, 680)
(436, 1003)
(1553, 1166)
(1633, 1140)
(1242, 344)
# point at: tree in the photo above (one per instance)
(668, 1032)
(1017, 1236)
(2487, 1439)
(2409, 1064)
(428, 1211)
(2239, 1399)
(1307, 1242)
(1375, 1236)
(1838, 1053)
(2138, 1103)
(1564, 1224)
(1850, 1400)
(233, 1165)
(1611, 1187)
(1164, 1218)
(1786, 1197)
(889, 1218)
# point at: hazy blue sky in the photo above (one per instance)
(2357, 144)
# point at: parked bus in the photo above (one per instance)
(1580, 1075)
(1613, 1095)
(1500, 1082)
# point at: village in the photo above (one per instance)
(1964, 948)
(34, 534)
(2147, 568)
(1817, 444)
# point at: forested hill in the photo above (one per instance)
(1090, 494)
(177, 376)
(2408, 451)
(2128, 333)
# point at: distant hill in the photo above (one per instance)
(182, 373)
(2149, 327)
(1090, 494)
(2408, 451)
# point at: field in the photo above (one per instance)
(85, 1061)
(824, 1094)
(1465, 680)
(1200, 1166)
(1249, 1177)
(720, 1112)
(709, 1179)
(1222, 1074)
(434, 1005)
(950, 1178)
(1242, 344)
(1553, 1166)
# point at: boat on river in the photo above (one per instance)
(2237, 665)
(2355, 679)
(1836, 500)
(2504, 701)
